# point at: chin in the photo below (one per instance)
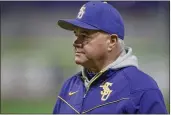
(79, 61)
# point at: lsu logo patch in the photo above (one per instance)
(81, 12)
(106, 91)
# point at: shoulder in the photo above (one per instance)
(71, 81)
(144, 92)
(138, 80)
(74, 78)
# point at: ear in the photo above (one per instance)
(112, 41)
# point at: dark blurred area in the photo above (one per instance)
(37, 55)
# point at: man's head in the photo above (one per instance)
(97, 28)
(93, 46)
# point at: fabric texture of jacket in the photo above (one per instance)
(119, 88)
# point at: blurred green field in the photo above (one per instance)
(33, 106)
(27, 106)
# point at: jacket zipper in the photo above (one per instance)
(87, 88)
(84, 96)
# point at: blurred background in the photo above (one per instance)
(37, 56)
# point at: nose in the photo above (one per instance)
(77, 44)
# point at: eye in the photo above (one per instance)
(83, 36)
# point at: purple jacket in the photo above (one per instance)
(116, 90)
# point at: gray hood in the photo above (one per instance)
(125, 59)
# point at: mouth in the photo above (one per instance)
(78, 53)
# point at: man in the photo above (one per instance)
(110, 81)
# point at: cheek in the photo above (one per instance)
(95, 50)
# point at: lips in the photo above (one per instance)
(78, 53)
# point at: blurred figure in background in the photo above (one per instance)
(110, 81)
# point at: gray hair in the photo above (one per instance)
(122, 45)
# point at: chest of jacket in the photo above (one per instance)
(106, 97)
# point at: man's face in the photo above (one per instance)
(90, 46)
